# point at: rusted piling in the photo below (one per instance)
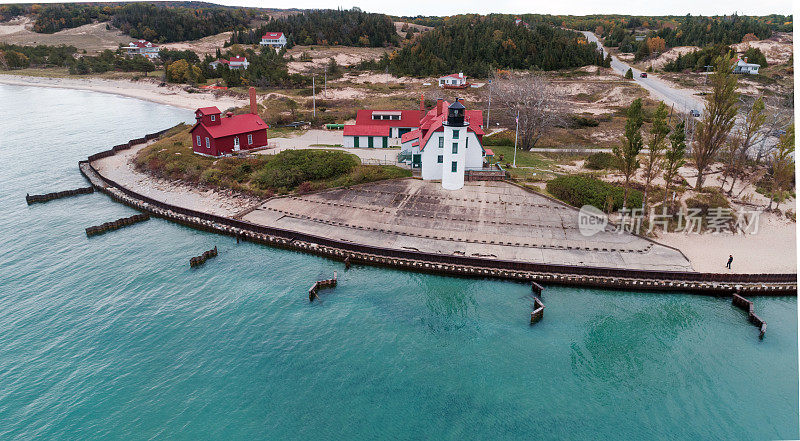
(538, 310)
(347, 263)
(536, 288)
(201, 259)
(320, 284)
(34, 198)
(116, 225)
(747, 306)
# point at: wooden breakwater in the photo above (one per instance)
(40, 198)
(117, 224)
(537, 288)
(321, 284)
(463, 266)
(538, 310)
(201, 259)
(747, 306)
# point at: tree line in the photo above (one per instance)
(162, 23)
(350, 27)
(476, 45)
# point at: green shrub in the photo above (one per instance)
(290, 168)
(577, 122)
(601, 161)
(211, 176)
(579, 190)
(712, 198)
(498, 139)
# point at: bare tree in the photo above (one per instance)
(674, 157)
(718, 118)
(778, 118)
(539, 104)
(782, 166)
(748, 134)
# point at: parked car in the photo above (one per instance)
(694, 113)
(643, 75)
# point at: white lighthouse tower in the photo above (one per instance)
(455, 147)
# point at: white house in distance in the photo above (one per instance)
(453, 81)
(142, 47)
(447, 145)
(275, 40)
(235, 63)
(743, 67)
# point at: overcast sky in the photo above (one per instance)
(574, 7)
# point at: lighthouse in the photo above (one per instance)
(455, 147)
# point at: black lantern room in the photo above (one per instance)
(455, 114)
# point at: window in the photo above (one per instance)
(454, 167)
(208, 143)
(199, 142)
(213, 117)
(455, 133)
(441, 142)
(440, 159)
(250, 139)
(466, 142)
(455, 148)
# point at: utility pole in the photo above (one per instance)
(314, 96)
(489, 110)
(325, 94)
(516, 138)
(705, 81)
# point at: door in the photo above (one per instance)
(385, 141)
(355, 141)
(416, 161)
(370, 141)
(236, 144)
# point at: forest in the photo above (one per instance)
(350, 27)
(162, 23)
(476, 45)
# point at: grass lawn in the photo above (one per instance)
(262, 175)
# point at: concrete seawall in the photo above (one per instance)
(638, 280)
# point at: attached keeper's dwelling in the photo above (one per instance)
(274, 40)
(214, 135)
(447, 144)
(380, 128)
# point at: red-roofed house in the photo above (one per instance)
(454, 81)
(234, 63)
(274, 39)
(214, 135)
(389, 125)
(144, 48)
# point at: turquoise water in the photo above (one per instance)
(115, 337)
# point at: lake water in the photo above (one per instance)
(114, 337)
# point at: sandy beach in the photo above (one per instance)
(144, 89)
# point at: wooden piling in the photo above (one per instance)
(536, 288)
(201, 259)
(116, 225)
(321, 284)
(347, 263)
(747, 306)
(538, 310)
(34, 198)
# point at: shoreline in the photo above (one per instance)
(552, 274)
(145, 89)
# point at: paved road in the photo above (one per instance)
(683, 100)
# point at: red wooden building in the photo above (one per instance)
(214, 135)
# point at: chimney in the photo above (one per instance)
(439, 105)
(253, 103)
(422, 103)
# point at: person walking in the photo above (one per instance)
(730, 260)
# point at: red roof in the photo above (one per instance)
(432, 122)
(208, 110)
(272, 35)
(408, 118)
(366, 130)
(234, 125)
(460, 77)
(489, 152)
(238, 59)
(143, 43)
